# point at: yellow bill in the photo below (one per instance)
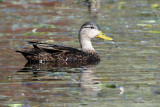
(103, 36)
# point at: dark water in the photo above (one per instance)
(127, 76)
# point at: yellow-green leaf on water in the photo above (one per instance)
(153, 31)
(149, 21)
(155, 5)
(40, 25)
(51, 26)
(121, 5)
(101, 84)
(48, 41)
(14, 105)
(44, 26)
(111, 86)
(35, 33)
(144, 25)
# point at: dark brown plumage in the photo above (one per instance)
(55, 53)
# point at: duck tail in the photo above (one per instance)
(25, 53)
(21, 51)
(18, 51)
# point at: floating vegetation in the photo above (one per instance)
(121, 5)
(128, 74)
(111, 86)
(149, 21)
(35, 33)
(145, 25)
(153, 31)
(155, 6)
(44, 26)
(14, 105)
(108, 85)
(48, 41)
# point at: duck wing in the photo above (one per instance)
(43, 52)
(52, 53)
(51, 48)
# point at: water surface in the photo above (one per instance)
(131, 64)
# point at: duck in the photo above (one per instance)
(44, 52)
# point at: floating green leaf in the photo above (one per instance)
(149, 21)
(121, 5)
(153, 31)
(155, 5)
(51, 26)
(44, 25)
(14, 105)
(36, 33)
(144, 25)
(111, 86)
(48, 41)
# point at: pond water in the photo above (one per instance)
(127, 76)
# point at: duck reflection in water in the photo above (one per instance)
(94, 7)
(83, 78)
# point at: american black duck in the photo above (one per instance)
(43, 52)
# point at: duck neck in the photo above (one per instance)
(86, 46)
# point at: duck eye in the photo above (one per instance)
(92, 27)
